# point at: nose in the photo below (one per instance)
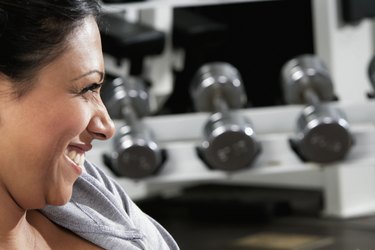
(101, 126)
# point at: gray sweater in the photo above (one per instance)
(101, 212)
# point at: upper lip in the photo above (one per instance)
(81, 146)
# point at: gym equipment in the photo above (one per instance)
(229, 139)
(134, 41)
(136, 154)
(323, 133)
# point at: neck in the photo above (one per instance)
(14, 228)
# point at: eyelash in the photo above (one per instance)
(95, 87)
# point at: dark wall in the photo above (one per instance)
(354, 11)
(255, 37)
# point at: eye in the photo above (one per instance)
(95, 87)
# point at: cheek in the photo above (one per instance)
(76, 121)
(69, 122)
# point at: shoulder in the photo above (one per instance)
(100, 205)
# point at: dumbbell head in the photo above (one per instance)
(137, 155)
(230, 142)
(323, 134)
(217, 78)
(306, 72)
(126, 91)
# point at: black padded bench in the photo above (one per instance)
(134, 41)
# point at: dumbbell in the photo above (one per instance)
(322, 133)
(136, 154)
(229, 140)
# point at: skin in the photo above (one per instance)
(57, 115)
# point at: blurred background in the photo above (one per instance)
(244, 124)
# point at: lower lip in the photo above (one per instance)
(73, 165)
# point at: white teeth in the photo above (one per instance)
(72, 155)
(82, 161)
(77, 158)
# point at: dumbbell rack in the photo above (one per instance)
(348, 186)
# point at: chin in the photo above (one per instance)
(60, 198)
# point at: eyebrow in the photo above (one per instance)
(100, 73)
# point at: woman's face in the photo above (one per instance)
(46, 132)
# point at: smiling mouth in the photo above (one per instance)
(76, 157)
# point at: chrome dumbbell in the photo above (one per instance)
(136, 154)
(323, 133)
(229, 139)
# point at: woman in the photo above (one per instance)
(51, 71)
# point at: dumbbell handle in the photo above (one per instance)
(218, 102)
(128, 113)
(311, 98)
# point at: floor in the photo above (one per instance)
(237, 218)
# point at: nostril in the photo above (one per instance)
(100, 136)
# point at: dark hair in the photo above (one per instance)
(34, 32)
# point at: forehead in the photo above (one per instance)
(83, 52)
